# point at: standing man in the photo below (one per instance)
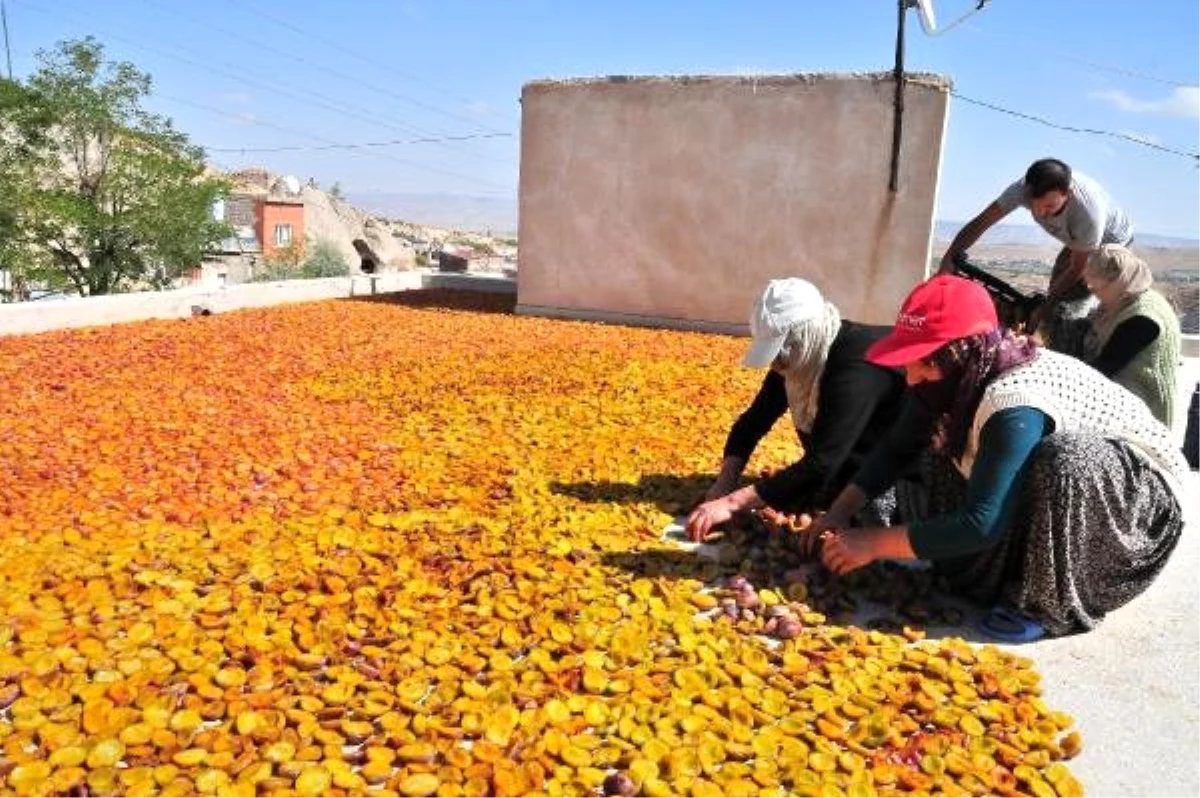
(1077, 211)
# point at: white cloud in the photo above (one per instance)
(1183, 101)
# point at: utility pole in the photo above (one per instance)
(898, 101)
(7, 49)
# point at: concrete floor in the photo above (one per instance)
(1133, 683)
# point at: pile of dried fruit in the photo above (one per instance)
(395, 548)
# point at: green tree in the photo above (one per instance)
(127, 203)
(25, 126)
(324, 259)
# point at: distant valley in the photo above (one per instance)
(498, 216)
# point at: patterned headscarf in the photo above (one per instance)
(1113, 263)
(968, 366)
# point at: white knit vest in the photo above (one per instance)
(1078, 398)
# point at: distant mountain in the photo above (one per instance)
(1029, 235)
(492, 215)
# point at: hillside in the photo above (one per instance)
(399, 244)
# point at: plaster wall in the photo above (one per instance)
(674, 200)
(34, 317)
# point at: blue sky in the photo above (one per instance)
(240, 75)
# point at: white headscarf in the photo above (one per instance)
(803, 356)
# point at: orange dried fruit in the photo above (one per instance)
(260, 590)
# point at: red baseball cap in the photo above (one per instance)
(936, 312)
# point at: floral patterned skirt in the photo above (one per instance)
(1094, 527)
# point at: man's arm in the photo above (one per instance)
(1070, 276)
(970, 233)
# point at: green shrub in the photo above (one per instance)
(324, 259)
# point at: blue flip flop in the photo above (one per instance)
(1011, 626)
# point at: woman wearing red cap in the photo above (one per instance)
(1072, 497)
(839, 403)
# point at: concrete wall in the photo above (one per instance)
(34, 317)
(674, 200)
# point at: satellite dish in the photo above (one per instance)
(292, 184)
(925, 12)
(929, 21)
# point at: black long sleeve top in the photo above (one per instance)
(858, 403)
(1130, 337)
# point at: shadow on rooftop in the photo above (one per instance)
(669, 492)
(671, 563)
(445, 299)
(885, 596)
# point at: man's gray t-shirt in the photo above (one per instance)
(1089, 219)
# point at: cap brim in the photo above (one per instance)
(763, 351)
(895, 351)
(898, 350)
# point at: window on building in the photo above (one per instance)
(283, 235)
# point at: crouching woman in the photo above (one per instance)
(1067, 499)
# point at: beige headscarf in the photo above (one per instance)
(804, 354)
(1114, 264)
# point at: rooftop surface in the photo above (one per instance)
(284, 544)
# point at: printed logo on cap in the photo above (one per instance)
(911, 321)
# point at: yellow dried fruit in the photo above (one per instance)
(190, 757)
(314, 780)
(417, 752)
(418, 784)
(256, 599)
(105, 753)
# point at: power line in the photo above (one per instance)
(1054, 51)
(311, 98)
(1072, 129)
(327, 144)
(362, 145)
(340, 75)
(242, 5)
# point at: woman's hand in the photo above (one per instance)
(848, 550)
(706, 517)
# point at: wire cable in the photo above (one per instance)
(310, 98)
(361, 145)
(1043, 51)
(1072, 129)
(242, 5)
(326, 144)
(321, 67)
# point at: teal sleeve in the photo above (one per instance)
(1006, 443)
